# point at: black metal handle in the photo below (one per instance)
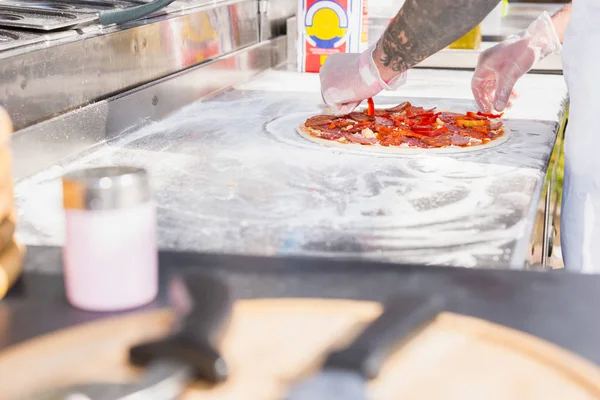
(131, 13)
(203, 305)
(401, 316)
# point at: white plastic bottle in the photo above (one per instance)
(110, 255)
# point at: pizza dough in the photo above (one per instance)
(305, 132)
(402, 150)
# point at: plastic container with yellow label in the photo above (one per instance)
(326, 27)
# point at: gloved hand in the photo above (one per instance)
(349, 78)
(499, 67)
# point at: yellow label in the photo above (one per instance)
(504, 8)
(322, 59)
(328, 24)
(470, 41)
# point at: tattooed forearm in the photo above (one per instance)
(561, 21)
(423, 27)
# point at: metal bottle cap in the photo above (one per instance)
(105, 188)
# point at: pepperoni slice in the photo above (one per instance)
(358, 127)
(495, 124)
(325, 129)
(360, 139)
(413, 111)
(474, 134)
(453, 128)
(424, 113)
(414, 142)
(437, 141)
(459, 140)
(383, 121)
(448, 117)
(331, 136)
(319, 120)
(360, 117)
(399, 108)
(429, 130)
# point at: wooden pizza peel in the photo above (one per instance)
(270, 344)
(11, 264)
(6, 181)
(11, 253)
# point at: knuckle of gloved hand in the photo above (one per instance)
(328, 99)
(332, 60)
(488, 54)
(483, 56)
(478, 82)
(484, 106)
(334, 95)
(483, 86)
(500, 104)
(501, 98)
(337, 110)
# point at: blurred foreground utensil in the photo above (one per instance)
(203, 307)
(345, 373)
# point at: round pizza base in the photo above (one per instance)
(302, 131)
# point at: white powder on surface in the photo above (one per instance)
(230, 176)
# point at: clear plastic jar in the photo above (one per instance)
(110, 255)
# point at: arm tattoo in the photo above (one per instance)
(423, 27)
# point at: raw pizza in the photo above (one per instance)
(406, 128)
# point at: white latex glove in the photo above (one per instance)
(349, 78)
(499, 67)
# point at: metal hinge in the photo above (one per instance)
(551, 236)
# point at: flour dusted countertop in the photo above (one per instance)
(231, 175)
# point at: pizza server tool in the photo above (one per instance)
(345, 373)
(203, 307)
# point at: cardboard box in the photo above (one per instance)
(327, 27)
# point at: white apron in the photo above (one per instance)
(580, 217)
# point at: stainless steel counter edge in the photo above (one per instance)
(46, 143)
(95, 63)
